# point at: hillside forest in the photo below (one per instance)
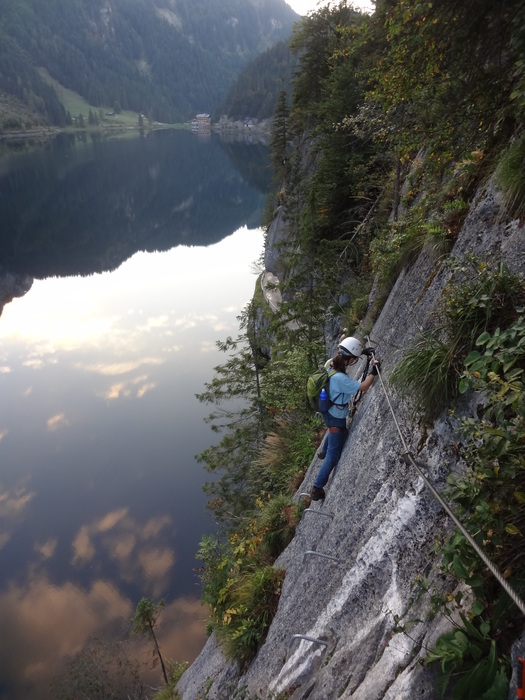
(394, 122)
(165, 60)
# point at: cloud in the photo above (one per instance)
(56, 422)
(83, 546)
(3, 433)
(46, 549)
(154, 526)
(192, 320)
(220, 326)
(136, 548)
(128, 388)
(208, 346)
(144, 389)
(12, 504)
(156, 565)
(107, 522)
(116, 368)
(34, 363)
(5, 370)
(42, 623)
(155, 322)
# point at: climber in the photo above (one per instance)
(341, 390)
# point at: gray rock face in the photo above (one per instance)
(378, 521)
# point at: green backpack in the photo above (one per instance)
(315, 383)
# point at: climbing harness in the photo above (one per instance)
(409, 458)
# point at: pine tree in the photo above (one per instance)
(280, 137)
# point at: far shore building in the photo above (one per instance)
(202, 123)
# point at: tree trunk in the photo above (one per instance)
(157, 649)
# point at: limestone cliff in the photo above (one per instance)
(375, 527)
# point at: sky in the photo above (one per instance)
(302, 7)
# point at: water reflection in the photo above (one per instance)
(100, 494)
(78, 208)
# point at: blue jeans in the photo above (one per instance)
(333, 447)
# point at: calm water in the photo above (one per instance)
(141, 252)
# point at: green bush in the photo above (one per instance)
(469, 652)
(279, 519)
(476, 299)
(428, 374)
(253, 603)
(489, 498)
(510, 176)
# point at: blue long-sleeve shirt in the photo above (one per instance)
(341, 388)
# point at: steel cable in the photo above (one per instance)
(408, 457)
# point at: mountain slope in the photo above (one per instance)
(166, 58)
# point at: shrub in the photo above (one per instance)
(470, 652)
(253, 603)
(489, 498)
(279, 519)
(510, 176)
(429, 371)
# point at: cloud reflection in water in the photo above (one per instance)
(100, 495)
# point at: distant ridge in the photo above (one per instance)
(166, 59)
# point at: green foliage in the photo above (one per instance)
(492, 491)
(469, 652)
(239, 582)
(440, 78)
(252, 602)
(428, 373)
(279, 519)
(255, 91)
(175, 671)
(144, 621)
(403, 241)
(475, 299)
(489, 498)
(280, 137)
(510, 175)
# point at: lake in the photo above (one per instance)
(135, 255)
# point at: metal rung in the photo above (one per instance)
(308, 639)
(303, 495)
(313, 553)
(317, 512)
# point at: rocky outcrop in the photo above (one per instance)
(374, 530)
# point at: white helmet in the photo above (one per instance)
(350, 347)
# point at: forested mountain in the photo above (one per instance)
(165, 58)
(255, 91)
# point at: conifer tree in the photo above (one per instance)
(280, 137)
(144, 622)
(240, 414)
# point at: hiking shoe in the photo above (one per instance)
(321, 455)
(317, 494)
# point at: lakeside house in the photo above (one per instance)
(202, 123)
